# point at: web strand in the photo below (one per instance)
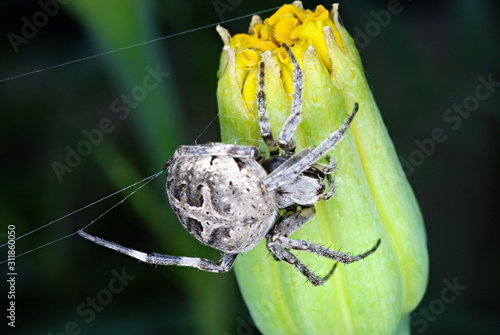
(145, 181)
(85, 207)
(134, 45)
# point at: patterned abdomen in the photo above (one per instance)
(221, 201)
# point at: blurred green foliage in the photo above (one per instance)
(427, 58)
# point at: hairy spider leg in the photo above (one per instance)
(286, 225)
(278, 243)
(265, 128)
(284, 173)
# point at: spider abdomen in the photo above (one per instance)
(220, 200)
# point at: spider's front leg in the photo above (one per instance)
(224, 265)
(285, 173)
(285, 139)
(265, 127)
(286, 225)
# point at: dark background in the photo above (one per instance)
(426, 59)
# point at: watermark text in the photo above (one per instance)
(11, 275)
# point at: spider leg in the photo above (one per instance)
(291, 221)
(338, 256)
(278, 242)
(285, 139)
(327, 170)
(286, 256)
(224, 265)
(281, 176)
(331, 188)
(286, 225)
(265, 128)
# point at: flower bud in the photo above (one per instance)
(373, 199)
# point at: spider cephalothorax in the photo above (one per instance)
(229, 197)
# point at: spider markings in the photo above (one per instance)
(228, 196)
(223, 195)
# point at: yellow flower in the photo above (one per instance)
(373, 198)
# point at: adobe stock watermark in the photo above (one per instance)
(453, 118)
(31, 26)
(223, 6)
(11, 275)
(248, 326)
(373, 28)
(121, 108)
(89, 308)
(426, 314)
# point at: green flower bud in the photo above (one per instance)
(372, 200)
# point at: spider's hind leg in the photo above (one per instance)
(224, 265)
(281, 254)
(278, 243)
(286, 225)
(338, 256)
